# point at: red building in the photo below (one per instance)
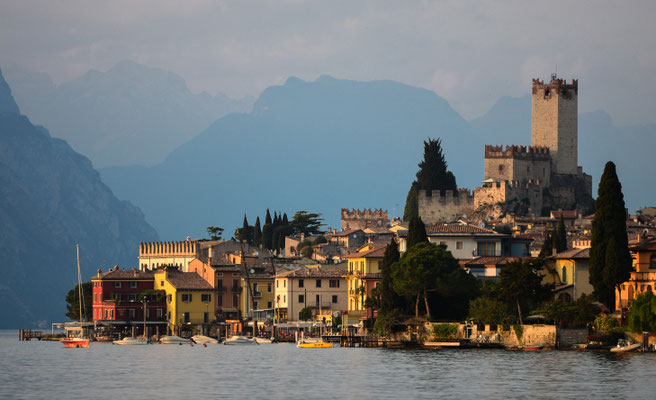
(116, 299)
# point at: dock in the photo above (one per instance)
(28, 334)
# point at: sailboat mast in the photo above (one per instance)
(79, 281)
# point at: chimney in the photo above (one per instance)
(115, 267)
(209, 255)
(99, 272)
(302, 236)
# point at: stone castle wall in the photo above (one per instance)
(448, 207)
(518, 163)
(506, 191)
(555, 122)
(362, 219)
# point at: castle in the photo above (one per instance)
(527, 179)
(376, 220)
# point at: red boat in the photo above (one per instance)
(532, 348)
(76, 342)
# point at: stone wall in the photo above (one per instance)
(569, 337)
(531, 335)
(506, 191)
(447, 207)
(362, 219)
(518, 163)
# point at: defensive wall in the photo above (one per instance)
(444, 207)
(518, 163)
(361, 219)
(504, 191)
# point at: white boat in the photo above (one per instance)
(131, 341)
(173, 340)
(623, 345)
(261, 340)
(201, 339)
(239, 340)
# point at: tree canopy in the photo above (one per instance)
(610, 259)
(73, 302)
(643, 313)
(307, 223)
(214, 232)
(432, 175)
(416, 232)
(388, 297)
(520, 285)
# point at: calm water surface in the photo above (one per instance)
(48, 370)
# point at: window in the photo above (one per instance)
(334, 283)
(256, 305)
(564, 274)
(284, 298)
(334, 298)
(235, 283)
(219, 274)
(169, 315)
(219, 299)
(133, 284)
(269, 287)
(159, 313)
(255, 287)
(186, 317)
(161, 283)
(317, 299)
(206, 317)
(148, 313)
(186, 297)
(269, 304)
(442, 243)
(111, 314)
(652, 261)
(277, 282)
(205, 298)
(318, 282)
(301, 283)
(501, 169)
(133, 313)
(459, 245)
(486, 249)
(284, 283)
(235, 274)
(117, 284)
(235, 300)
(301, 298)
(169, 298)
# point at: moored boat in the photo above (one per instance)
(131, 341)
(75, 342)
(201, 339)
(623, 346)
(261, 340)
(173, 340)
(320, 344)
(239, 340)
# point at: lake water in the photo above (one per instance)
(279, 371)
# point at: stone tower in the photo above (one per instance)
(555, 122)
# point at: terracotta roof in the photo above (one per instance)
(573, 253)
(378, 252)
(458, 229)
(313, 273)
(644, 245)
(491, 260)
(187, 281)
(124, 275)
(345, 233)
(565, 214)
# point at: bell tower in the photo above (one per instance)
(555, 122)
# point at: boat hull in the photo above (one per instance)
(317, 345)
(239, 340)
(130, 342)
(76, 343)
(622, 349)
(200, 339)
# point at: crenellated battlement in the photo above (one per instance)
(518, 152)
(185, 247)
(366, 213)
(376, 219)
(556, 86)
(447, 206)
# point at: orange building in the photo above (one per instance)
(643, 278)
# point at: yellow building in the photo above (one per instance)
(364, 273)
(643, 278)
(262, 289)
(189, 300)
(569, 272)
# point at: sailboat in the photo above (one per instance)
(77, 342)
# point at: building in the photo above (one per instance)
(263, 294)
(569, 271)
(527, 179)
(180, 254)
(489, 267)
(363, 275)
(643, 278)
(118, 301)
(324, 290)
(189, 300)
(351, 238)
(376, 220)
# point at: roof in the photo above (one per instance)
(187, 281)
(458, 229)
(565, 214)
(644, 245)
(573, 253)
(378, 252)
(124, 275)
(313, 273)
(491, 260)
(346, 232)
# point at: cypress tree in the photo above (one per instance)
(267, 219)
(389, 300)
(610, 259)
(246, 232)
(416, 233)
(257, 233)
(432, 175)
(267, 232)
(547, 246)
(561, 242)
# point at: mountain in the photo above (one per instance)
(315, 146)
(130, 114)
(50, 199)
(600, 141)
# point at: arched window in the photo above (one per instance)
(564, 274)
(652, 261)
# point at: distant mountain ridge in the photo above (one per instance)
(50, 199)
(129, 115)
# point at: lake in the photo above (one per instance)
(104, 371)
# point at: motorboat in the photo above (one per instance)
(173, 340)
(262, 340)
(314, 344)
(130, 341)
(623, 346)
(201, 339)
(75, 343)
(239, 340)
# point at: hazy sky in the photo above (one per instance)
(471, 53)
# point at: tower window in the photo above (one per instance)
(501, 169)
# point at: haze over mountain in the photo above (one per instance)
(50, 199)
(130, 114)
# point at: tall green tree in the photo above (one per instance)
(547, 247)
(214, 232)
(389, 300)
(433, 174)
(307, 223)
(520, 285)
(416, 233)
(561, 236)
(610, 259)
(245, 233)
(73, 303)
(643, 313)
(257, 233)
(267, 232)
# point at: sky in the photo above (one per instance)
(469, 52)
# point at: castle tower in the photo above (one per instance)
(555, 122)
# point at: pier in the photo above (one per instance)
(28, 334)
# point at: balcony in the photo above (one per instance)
(221, 289)
(237, 289)
(257, 295)
(323, 304)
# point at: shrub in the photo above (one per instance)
(445, 331)
(605, 322)
(519, 332)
